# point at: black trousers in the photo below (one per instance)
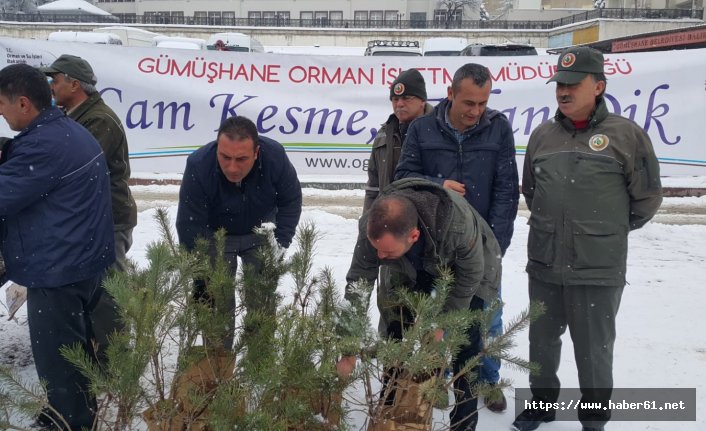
(61, 316)
(245, 247)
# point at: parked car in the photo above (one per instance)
(408, 48)
(499, 50)
(238, 42)
(130, 36)
(179, 42)
(85, 37)
(444, 46)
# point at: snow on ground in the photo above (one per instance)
(677, 181)
(661, 342)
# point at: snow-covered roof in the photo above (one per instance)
(80, 7)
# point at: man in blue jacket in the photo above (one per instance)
(57, 234)
(469, 148)
(238, 182)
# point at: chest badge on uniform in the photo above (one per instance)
(598, 142)
(398, 89)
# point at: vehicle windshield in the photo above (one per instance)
(396, 53)
(504, 51)
(441, 53)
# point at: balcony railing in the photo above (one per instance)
(360, 24)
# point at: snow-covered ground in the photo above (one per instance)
(661, 341)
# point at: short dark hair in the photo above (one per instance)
(392, 214)
(238, 128)
(18, 80)
(477, 72)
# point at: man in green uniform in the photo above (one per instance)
(73, 85)
(408, 95)
(590, 177)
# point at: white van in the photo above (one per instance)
(85, 37)
(178, 42)
(499, 50)
(444, 46)
(130, 36)
(405, 48)
(238, 42)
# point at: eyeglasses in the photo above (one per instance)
(405, 98)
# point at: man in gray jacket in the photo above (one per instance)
(590, 177)
(414, 228)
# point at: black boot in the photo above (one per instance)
(531, 419)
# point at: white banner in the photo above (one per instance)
(326, 110)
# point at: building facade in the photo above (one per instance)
(360, 13)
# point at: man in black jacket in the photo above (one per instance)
(238, 182)
(57, 235)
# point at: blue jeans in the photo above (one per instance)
(490, 367)
(464, 415)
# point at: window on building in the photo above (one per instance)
(254, 17)
(440, 15)
(228, 18)
(321, 18)
(163, 18)
(200, 17)
(306, 18)
(392, 16)
(275, 19)
(268, 17)
(376, 15)
(149, 17)
(127, 18)
(214, 18)
(336, 17)
(418, 19)
(283, 18)
(360, 18)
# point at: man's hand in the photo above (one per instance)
(15, 296)
(459, 188)
(346, 365)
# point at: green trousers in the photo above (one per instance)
(589, 312)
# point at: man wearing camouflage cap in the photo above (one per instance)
(408, 95)
(590, 177)
(73, 86)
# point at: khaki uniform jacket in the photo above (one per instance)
(105, 126)
(586, 189)
(456, 236)
(384, 157)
